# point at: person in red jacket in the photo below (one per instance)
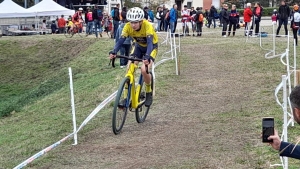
(247, 17)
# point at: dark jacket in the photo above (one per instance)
(165, 11)
(116, 14)
(234, 17)
(123, 14)
(146, 16)
(95, 14)
(193, 12)
(257, 16)
(288, 150)
(212, 12)
(197, 16)
(284, 12)
(224, 16)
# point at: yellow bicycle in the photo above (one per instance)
(130, 96)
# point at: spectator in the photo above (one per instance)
(163, 21)
(192, 14)
(284, 148)
(53, 27)
(274, 17)
(159, 16)
(225, 19)
(61, 24)
(283, 13)
(257, 12)
(125, 49)
(295, 23)
(247, 18)
(97, 18)
(206, 14)
(233, 20)
(185, 14)
(212, 15)
(173, 18)
(89, 22)
(116, 19)
(167, 21)
(146, 15)
(123, 14)
(199, 24)
(43, 27)
(151, 15)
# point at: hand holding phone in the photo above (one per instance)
(267, 129)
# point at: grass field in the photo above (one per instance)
(208, 117)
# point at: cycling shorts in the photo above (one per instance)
(139, 51)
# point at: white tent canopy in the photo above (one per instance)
(50, 8)
(9, 9)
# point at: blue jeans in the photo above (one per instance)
(172, 26)
(116, 26)
(89, 27)
(125, 49)
(158, 25)
(97, 25)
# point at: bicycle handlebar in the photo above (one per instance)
(129, 58)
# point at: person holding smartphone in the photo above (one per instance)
(284, 148)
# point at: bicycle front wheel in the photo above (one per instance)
(142, 111)
(120, 107)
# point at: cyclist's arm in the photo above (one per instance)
(122, 39)
(149, 47)
(119, 44)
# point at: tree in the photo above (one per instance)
(130, 4)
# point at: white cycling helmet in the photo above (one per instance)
(135, 14)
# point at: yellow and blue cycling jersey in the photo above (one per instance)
(145, 40)
(140, 36)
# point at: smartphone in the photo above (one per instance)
(267, 129)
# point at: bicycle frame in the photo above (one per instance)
(134, 89)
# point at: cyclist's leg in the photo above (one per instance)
(147, 77)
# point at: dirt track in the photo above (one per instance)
(194, 123)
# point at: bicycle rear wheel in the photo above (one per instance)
(142, 111)
(69, 33)
(120, 109)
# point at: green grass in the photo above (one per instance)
(35, 95)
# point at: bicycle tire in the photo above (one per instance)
(117, 129)
(141, 118)
(79, 34)
(68, 34)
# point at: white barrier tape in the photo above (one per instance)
(42, 152)
(276, 93)
(96, 110)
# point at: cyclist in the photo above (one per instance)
(145, 44)
(77, 19)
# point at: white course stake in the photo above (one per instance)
(73, 106)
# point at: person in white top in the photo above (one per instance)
(185, 14)
(295, 23)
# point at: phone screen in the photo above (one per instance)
(268, 129)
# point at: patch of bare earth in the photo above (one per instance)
(195, 121)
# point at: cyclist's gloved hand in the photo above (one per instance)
(112, 54)
(147, 59)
